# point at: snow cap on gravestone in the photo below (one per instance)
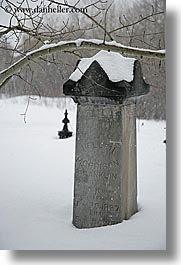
(107, 74)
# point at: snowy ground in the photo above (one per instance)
(36, 185)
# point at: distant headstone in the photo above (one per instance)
(105, 88)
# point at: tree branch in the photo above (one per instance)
(77, 45)
(136, 22)
(86, 14)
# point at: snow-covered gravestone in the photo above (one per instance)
(105, 87)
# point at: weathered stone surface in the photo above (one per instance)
(97, 188)
(95, 83)
(105, 171)
(129, 161)
(105, 184)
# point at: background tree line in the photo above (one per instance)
(141, 24)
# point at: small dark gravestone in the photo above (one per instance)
(65, 133)
(106, 88)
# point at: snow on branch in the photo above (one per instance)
(77, 45)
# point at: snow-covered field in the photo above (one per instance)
(36, 184)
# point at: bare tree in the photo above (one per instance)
(72, 29)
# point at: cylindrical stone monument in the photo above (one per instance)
(105, 88)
